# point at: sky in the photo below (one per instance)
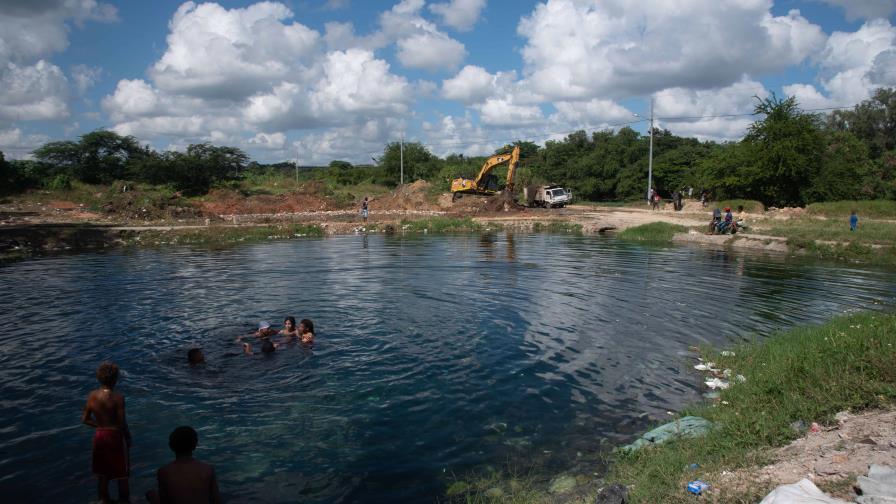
(319, 80)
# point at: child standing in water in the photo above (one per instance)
(104, 411)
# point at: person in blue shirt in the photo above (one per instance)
(853, 221)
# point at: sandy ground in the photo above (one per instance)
(832, 455)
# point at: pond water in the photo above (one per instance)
(435, 355)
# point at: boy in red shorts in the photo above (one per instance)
(104, 411)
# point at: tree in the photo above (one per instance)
(844, 170)
(873, 121)
(419, 163)
(788, 155)
(98, 157)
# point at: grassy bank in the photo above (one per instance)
(872, 243)
(806, 374)
(871, 209)
(654, 232)
(220, 235)
(442, 225)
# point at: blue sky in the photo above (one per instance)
(336, 79)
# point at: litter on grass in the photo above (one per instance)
(686, 427)
(715, 383)
(801, 492)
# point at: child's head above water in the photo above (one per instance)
(194, 356)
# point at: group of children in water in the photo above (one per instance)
(302, 333)
(185, 480)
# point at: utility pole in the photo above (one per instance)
(297, 166)
(401, 156)
(650, 158)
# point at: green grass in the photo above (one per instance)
(872, 209)
(807, 374)
(440, 224)
(883, 233)
(557, 227)
(222, 235)
(751, 206)
(654, 232)
(872, 243)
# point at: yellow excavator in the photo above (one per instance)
(484, 183)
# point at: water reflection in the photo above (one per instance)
(433, 354)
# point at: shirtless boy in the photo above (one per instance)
(104, 411)
(186, 480)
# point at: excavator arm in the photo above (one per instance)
(476, 185)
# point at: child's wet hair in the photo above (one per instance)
(183, 440)
(107, 374)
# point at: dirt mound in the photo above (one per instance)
(148, 206)
(474, 203)
(414, 196)
(228, 202)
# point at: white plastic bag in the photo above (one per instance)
(802, 492)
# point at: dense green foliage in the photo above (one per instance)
(102, 157)
(788, 157)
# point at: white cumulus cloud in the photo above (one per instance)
(582, 49)
(690, 112)
(459, 14)
(851, 66)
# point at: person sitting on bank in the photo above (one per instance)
(716, 220)
(104, 412)
(306, 331)
(195, 356)
(185, 480)
(727, 222)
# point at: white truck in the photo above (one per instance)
(549, 196)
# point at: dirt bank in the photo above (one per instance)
(832, 457)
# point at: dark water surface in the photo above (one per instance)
(435, 355)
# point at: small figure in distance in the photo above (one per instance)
(306, 330)
(289, 328)
(853, 221)
(364, 210)
(186, 480)
(195, 356)
(104, 411)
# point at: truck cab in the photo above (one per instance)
(549, 196)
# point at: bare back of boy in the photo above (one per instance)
(188, 481)
(105, 410)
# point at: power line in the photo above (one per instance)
(504, 140)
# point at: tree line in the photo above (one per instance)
(788, 157)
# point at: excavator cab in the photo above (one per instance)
(486, 182)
